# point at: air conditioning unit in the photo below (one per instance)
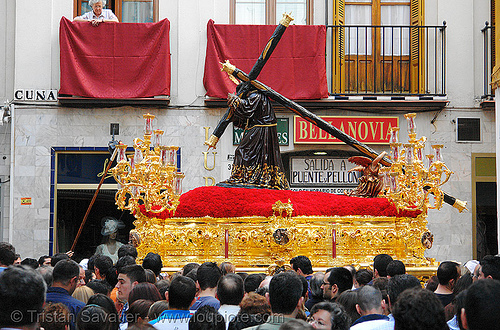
(468, 129)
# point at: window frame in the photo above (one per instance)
(271, 12)
(117, 4)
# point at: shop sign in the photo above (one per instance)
(283, 135)
(35, 95)
(327, 172)
(368, 130)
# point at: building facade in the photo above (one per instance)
(53, 150)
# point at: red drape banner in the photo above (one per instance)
(115, 60)
(296, 69)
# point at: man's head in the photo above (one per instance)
(153, 261)
(55, 316)
(400, 283)
(338, 280)
(380, 263)
(475, 273)
(315, 283)
(302, 265)
(395, 267)
(44, 261)
(66, 274)
(22, 295)
(482, 305)
(189, 267)
(46, 273)
(102, 266)
(7, 254)
(124, 261)
(58, 257)
(369, 301)
(128, 278)
(230, 289)
(127, 250)
(285, 292)
(362, 277)
(207, 317)
(33, 263)
(418, 309)
(81, 277)
(208, 275)
(447, 273)
(181, 293)
(252, 282)
(490, 268)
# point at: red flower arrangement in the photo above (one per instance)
(218, 202)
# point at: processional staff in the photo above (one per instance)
(322, 124)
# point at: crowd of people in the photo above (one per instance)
(55, 292)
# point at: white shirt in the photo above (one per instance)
(105, 14)
(229, 312)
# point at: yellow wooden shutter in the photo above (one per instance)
(339, 47)
(417, 60)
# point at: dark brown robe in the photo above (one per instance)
(257, 160)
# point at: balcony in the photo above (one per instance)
(399, 67)
(105, 66)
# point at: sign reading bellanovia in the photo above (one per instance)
(368, 130)
(282, 128)
(322, 173)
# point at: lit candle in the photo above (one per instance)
(409, 156)
(437, 152)
(121, 157)
(430, 160)
(178, 183)
(172, 156)
(148, 123)
(131, 160)
(137, 155)
(157, 137)
(394, 135)
(410, 119)
(393, 181)
(395, 151)
(163, 155)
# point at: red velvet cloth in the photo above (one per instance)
(221, 202)
(296, 68)
(115, 60)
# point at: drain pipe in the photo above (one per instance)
(11, 185)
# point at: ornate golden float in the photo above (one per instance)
(260, 227)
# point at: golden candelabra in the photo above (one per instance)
(409, 181)
(149, 177)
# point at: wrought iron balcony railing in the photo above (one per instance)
(387, 60)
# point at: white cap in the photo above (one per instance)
(471, 265)
(84, 263)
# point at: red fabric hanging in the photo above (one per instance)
(115, 60)
(296, 69)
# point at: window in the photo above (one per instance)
(393, 41)
(127, 11)
(270, 11)
(380, 49)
